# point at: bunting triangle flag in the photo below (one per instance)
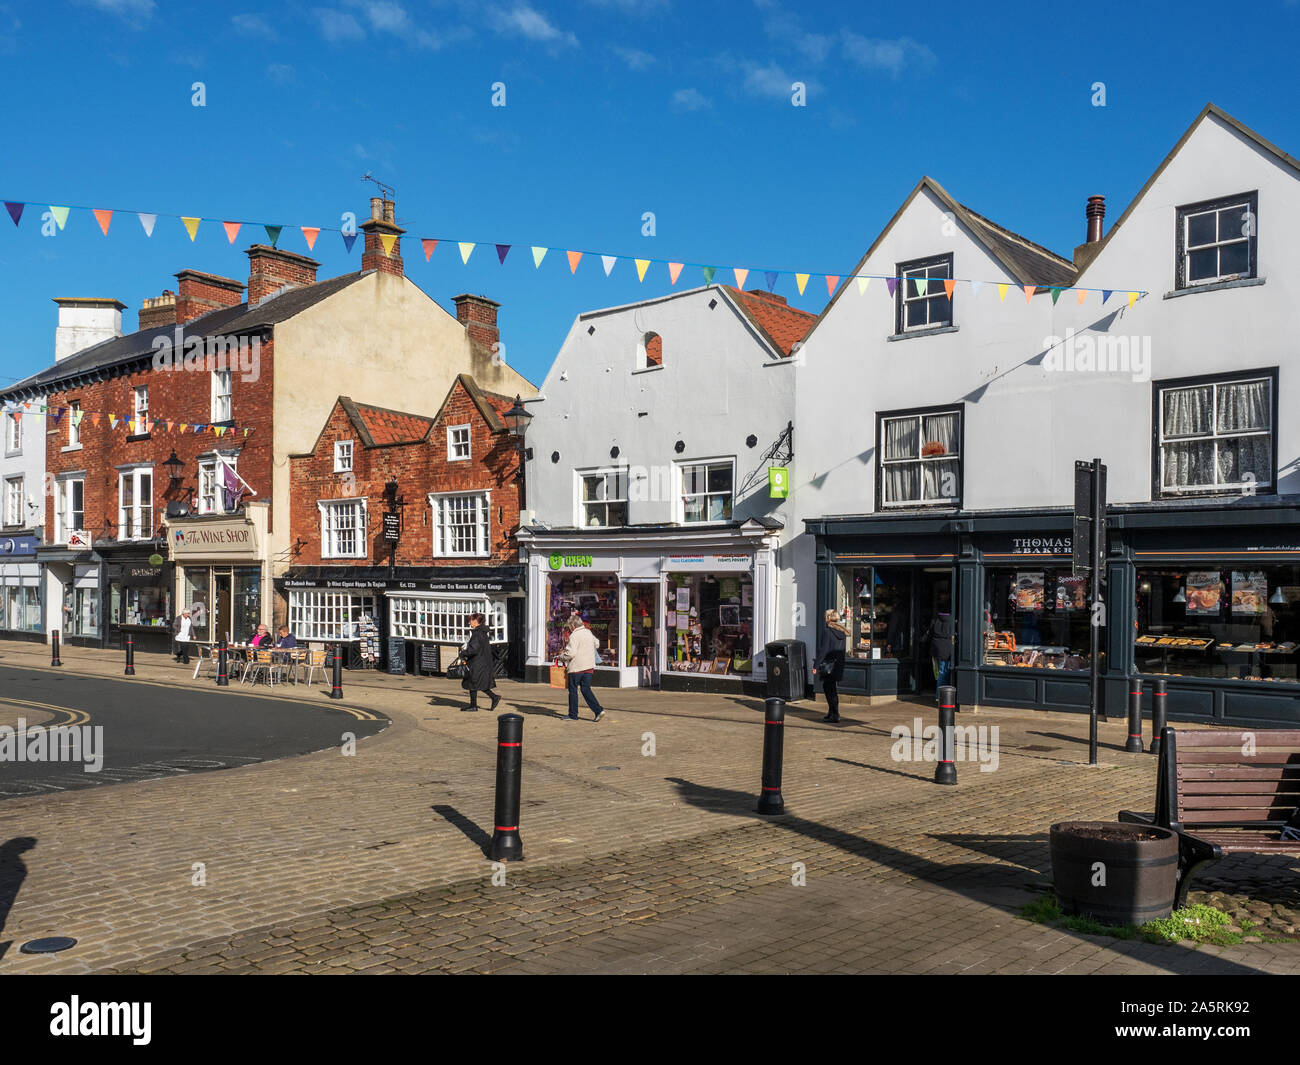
(77, 415)
(575, 257)
(948, 286)
(674, 272)
(642, 265)
(130, 425)
(831, 281)
(348, 240)
(1132, 299)
(770, 277)
(200, 428)
(247, 431)
(220, 430)
(741, 275)
(389, 241)
(1083, 294)
(802, 281)
(975, 287)
(232, 230)
(103, 217)
(891, 283)
(15, 210)
(94, 418)
(538, 255)
(921, 284)
(502, 251)
(169, 425)
(310, 233)
(147, 222)
(56, 415)
(60, 215)
(1029, 292)
(112, 421)
(428, 244)
(184, 426)
(191, 225)
(18, 416)
(608, 262)
(273, 234)
(466, 250)
(1002, 292)
(1106, 293)
(708, 272)
(863, 282)
(1056, 295)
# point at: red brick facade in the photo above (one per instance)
(418, 459)
(270, 269)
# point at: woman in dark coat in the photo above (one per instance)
(480, 673)
(829, 663)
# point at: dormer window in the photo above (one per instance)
(921, 299)
(1217, 240)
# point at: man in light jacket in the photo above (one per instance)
(579, 657)
(183, 630)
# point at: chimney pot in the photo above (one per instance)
(1095, 211)
(374, 256)
(388, 210)
(376, 208)
(478, 315)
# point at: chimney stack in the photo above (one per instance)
(85, 322)
(1096, 211)
(270, 270)
(158, 311)
(382, 227)
(198, 293)
(478, 315)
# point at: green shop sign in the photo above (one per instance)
(778, 482)
(572, 561)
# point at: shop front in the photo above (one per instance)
(221, 573)
(671, 608)
(139, 584)
(73, 595)
(20, 589)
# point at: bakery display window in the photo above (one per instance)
(1037, 618)
(873, 605)
(592, 598)
(709, 620)
(1235, 621)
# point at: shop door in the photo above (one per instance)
(933, 597)
(641, 634)
(892, 626)
(222, 617)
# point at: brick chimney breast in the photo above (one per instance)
(158, 310)
(199, 293)
(85, 322)
(270, 270)
(478, 315)
(380, 224)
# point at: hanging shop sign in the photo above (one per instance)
(392, 527)
(778, 482)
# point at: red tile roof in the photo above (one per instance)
(784, 325)
(393, 427)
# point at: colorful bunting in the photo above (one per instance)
(310, 233)
(831, 281)
(1029, 291)
(191, 225)
(273, 234)
(674, 272)
(428, 244)
(1002, 292)
(466, 250)
(1106, 293)
(891, 283)
(502, 251)
(741, 275)
(708, 272)
(608, 262)
(1132, 299)
(60, 215)
(103, 217)
(351, 238)
(389, 241)
(948, 286)
(1083, 294)
(801, 280)
(642, 265)
(575, 257)
(538, 255)
(863, 282)
(147, 222)
(1056, 295)
(770, 277)
(921, 283)
(975, 287)
(232, 230)
(15, 210)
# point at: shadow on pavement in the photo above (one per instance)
(472, 832)
(13, 871)
(880, 769)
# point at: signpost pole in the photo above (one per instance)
(1097, 553)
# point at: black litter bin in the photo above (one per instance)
(787, 669)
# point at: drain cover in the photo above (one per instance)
(52, 945)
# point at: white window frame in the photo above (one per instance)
(223, 399)
(439, 502)
(130, 519)
(328, 541)
(934, 271)
(1214, 437)
(13, 502)
(343, 455)
(63, 511)
(1245, 202)
(453, 444)
(921, 460)
(443, 618)
(209, 467)
(74, 426)
(141, 400)
(580, 516)
(13, 434)
(325, 615)
(679, 477)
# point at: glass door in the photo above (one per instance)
(641, 632)
(223, 620)
(933, 597)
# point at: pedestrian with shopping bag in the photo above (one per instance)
(579, 657)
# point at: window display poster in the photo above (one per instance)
(1069, 593)
(746, 595)
(1203, 592)
(683, 599)
(729, 587)
(1249, 592)
(671, 621)
(1029, 591)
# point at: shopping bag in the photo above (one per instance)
(559, 677)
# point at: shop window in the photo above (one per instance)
(132, 605)
(650, 351)
(458, 443)
(595, 600)
(709, 621)
(1237, 624)
(920, 458)
(13, 434)
(196, 596)
(222, 396)
(135, 504)
(921, 300)
(602, 498)
(707, 491)
(343, 456)
(13, 500)
(22, 608)
(1217, 240)
(343, 528)
(216, 496)
(1216, 435)
(1037, 618)
(460, 525)
(74, 424)
(80, 610)
(69, 511)
(443, 619)
(329, 615)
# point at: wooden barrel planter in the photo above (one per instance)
(1135, 881)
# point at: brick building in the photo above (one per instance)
(451, 484)
(167, 448)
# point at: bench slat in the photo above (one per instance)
(1242, 787)
(1260, 757)
(1238, 772)
(1240, 842)
(1267, 737)
(1239, 802)
(1230, 815)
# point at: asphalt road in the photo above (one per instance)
(148, 729)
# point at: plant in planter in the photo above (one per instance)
(1116, 875)
(931, 448)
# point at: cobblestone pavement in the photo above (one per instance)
(635, 862)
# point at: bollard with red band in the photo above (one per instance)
(130, 656)
(1159, 712)
(54, 648)
(223, 665)
(946, 771)
(1134, 744)
(336, 685)
(506, 844)
(770, 800)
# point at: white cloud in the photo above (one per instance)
(280, 72)
(690, 100)
(887, 56)
(633, 58)
(384, 15)
(769, 80)
(526, 21)
(128, 9)
(814, 47)
(338, 26)
(253, 26)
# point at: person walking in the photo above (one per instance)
(183, 631)
(579, 657)
(943, 635)
(479, 665)
(830, 663)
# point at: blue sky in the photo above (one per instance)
(613, 108)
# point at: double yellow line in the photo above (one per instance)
(70, 716)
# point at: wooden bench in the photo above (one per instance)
(1224, 792)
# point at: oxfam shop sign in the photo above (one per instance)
(559, 561)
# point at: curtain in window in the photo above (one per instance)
(942, 429)
(1243, 407)
(941, 480)
(900, 438)
(1188, 412)
(902, 482)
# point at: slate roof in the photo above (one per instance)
(782, 325)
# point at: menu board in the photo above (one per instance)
(1028, 592)
(1249, 592)
(1203, 592)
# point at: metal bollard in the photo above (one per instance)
(130, 656)
(506, 844)
(1159, 712)
(946, 771)
(770, 801)
(1134, 744)
(223, 665)
(54, 648)
(336, 686)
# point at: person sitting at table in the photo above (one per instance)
(285, 642)
(262, 638)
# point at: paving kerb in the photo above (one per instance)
(282, 829)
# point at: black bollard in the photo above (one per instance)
(1134, 744)
(770, 801)
(336, 688)
(506, 844)
(130, 656)
(223, 665)
(946, 771)
(54, 649)
(1159, 710)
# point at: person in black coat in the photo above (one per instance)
(829, 663)
(480, 671)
